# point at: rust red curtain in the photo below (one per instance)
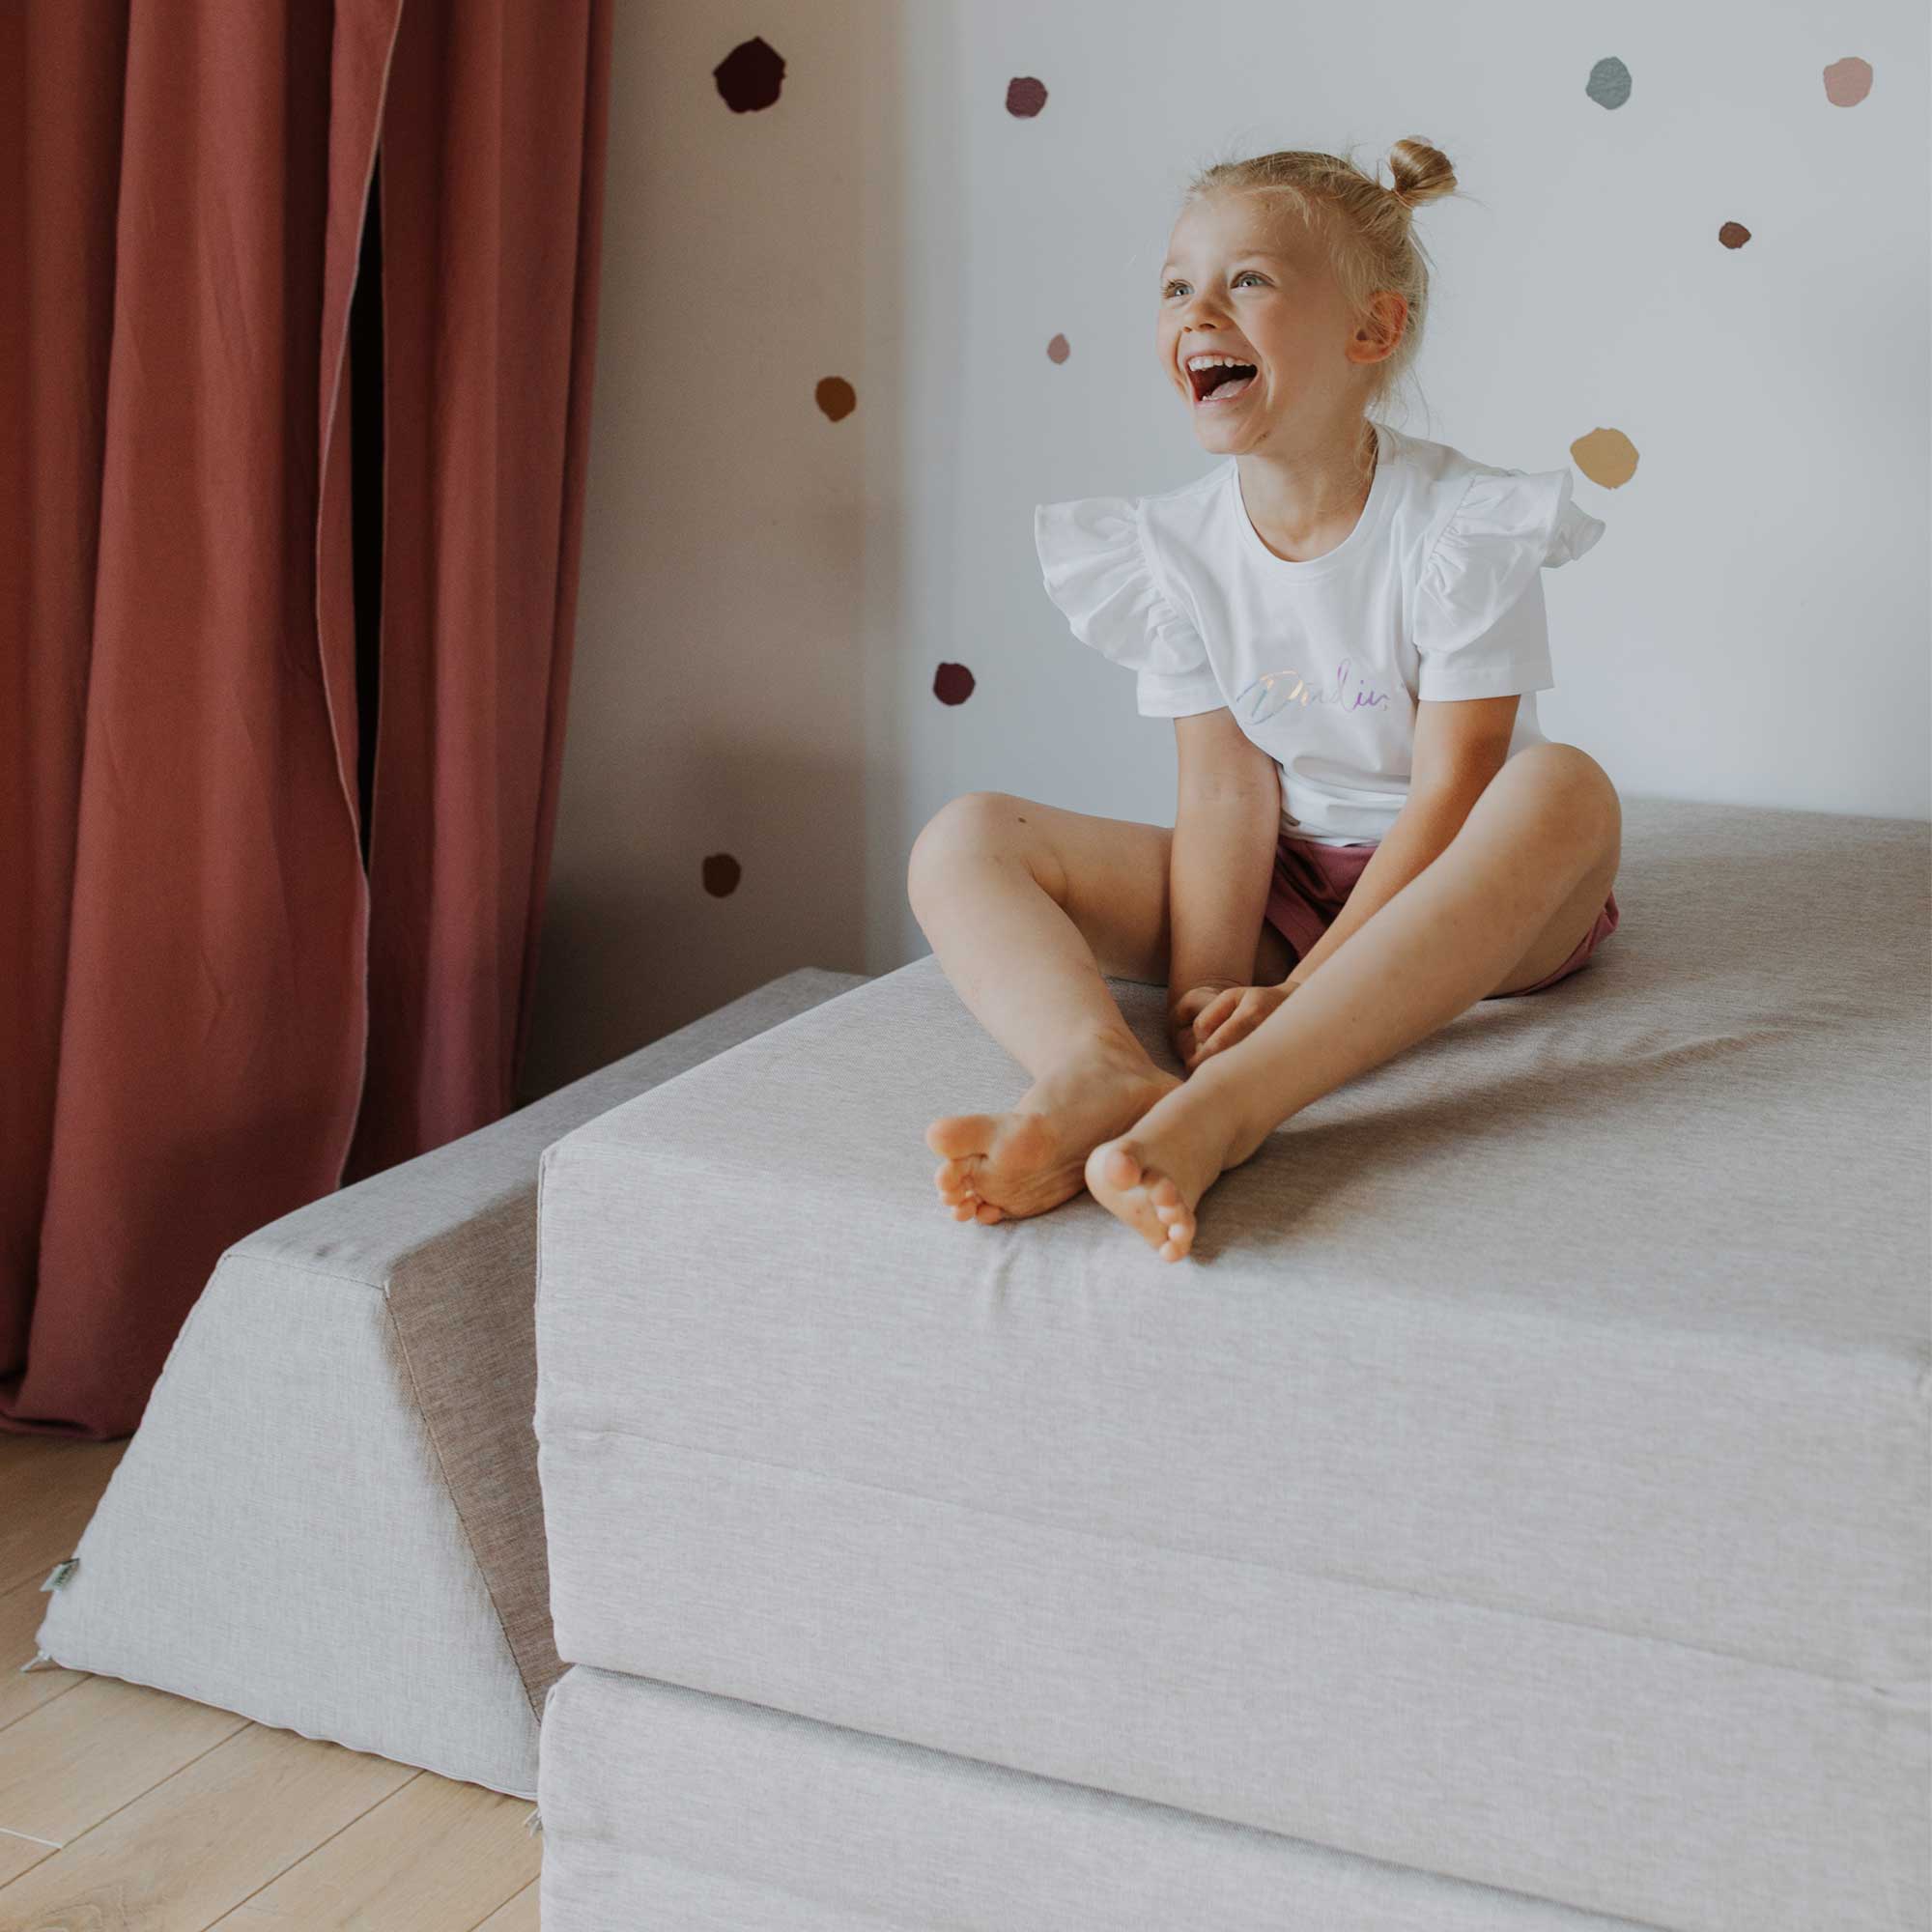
(212, 1009)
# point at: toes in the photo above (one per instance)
(957, 1135)
(1118, 1165)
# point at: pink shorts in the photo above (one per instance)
(1312, 883)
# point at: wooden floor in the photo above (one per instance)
(123, 1808)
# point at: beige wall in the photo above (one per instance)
(767, 594)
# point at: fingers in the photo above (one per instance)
(1245, 1012)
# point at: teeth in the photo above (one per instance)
(1215, 361)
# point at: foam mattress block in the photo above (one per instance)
(675, 1810)
(1525, 1478)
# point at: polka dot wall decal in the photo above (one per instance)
(721, 874)
(1610, 82)
(837, 397)
(1848, 81)
(1056, 350)
(750, 76)
(953, 684)
(1734, 235)
(1605, 456)
(1025, 96)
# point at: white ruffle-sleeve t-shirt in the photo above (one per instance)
(1435, 593)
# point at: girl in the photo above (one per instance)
(1347, 625)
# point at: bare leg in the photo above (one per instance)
(1449, 938)
(1023, 969)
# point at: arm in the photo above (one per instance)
(1460, 744)
(1226, 815)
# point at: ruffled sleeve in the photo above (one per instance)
(1480, 629)
(1095, 564)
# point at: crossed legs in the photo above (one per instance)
(1499, 907)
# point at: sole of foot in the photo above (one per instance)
(1012, 1165)
(1152, 1177)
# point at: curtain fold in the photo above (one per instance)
(209, 1013)
(492, 198)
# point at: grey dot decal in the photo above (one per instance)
(1609, 83)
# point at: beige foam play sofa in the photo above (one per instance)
(1514, 1515)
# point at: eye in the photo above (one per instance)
(1170, 288)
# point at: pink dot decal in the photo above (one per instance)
(1734, 235)
(1056, 350)
(1848, 81)
(749, 77)
(953, 684)
(837, 397)
(721, 874)
(1025, 96)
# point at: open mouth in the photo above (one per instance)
(1218, 384)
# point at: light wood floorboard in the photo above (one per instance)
(123, 1808)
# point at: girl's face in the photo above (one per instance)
(1236, 283)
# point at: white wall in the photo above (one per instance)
(766, 594)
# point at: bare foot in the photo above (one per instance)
(1030, 1159)
(1154, 1177)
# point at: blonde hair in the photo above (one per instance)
(1367, 228)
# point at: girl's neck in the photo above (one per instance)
(1303, 503)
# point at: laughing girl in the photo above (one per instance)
(1347, 625)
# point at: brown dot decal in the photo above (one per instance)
(1056, 350)
(837, 397)
(1025, 96)
(1848, 81)
(1605, 456)
(750, 76)
(720, 875)
(953, 684)
(1734, 235)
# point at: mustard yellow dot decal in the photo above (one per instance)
(1605, 456)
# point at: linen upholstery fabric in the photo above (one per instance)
(330, 1520)
(1526, 1479)
(670, 1807)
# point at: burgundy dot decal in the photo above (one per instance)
(750, 76)
(1848, 81)
(720, 875)
(837, 397)
(953, 684)
(1056, 350)
(1734, 235)
(1025, 96)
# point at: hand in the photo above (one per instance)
(1210, 1018)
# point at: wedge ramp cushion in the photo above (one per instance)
(330, 1519)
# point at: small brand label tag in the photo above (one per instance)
(60, 1573)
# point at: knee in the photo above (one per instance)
(967, 826)
(1568, 781)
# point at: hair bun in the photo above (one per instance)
(1421, 171)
